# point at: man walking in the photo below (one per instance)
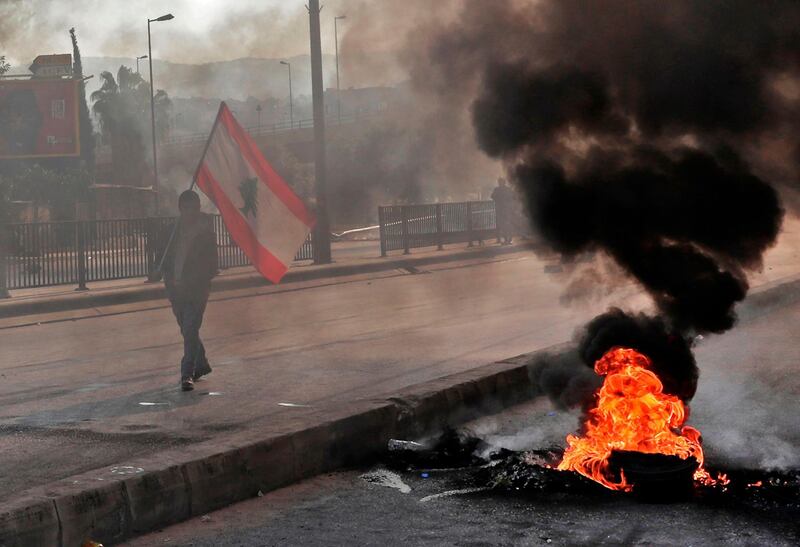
(503, 199)
(190, 263)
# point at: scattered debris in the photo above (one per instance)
(534, 473)
(384, 477)
(126, 470)
(450, 493)
(451, 450)
(205, 518)
(395, 444)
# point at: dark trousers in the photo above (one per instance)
(504, 228)
(189, 310)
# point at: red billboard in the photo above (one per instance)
(39, 119)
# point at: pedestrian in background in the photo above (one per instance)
(503, 203)
(189, 265)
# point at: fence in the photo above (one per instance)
(411, 226)
(65, 253)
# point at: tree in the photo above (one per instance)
(87, 130)
(4, 66)
(122, 106)
(59, 189)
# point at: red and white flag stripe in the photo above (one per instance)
(276, 223)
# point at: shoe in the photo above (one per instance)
(187, 384)
(204, 371)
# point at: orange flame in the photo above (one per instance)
(632, 414)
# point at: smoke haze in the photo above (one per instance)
(655, 134)
(634, 130)
(202, 31)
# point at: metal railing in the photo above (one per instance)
(412, 226)
(80, 252)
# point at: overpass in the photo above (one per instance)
(183, 152)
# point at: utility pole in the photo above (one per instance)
(322, 232)
(156, 185)
(291, 95)
(338, 85)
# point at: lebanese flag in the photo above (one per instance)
(263, 215)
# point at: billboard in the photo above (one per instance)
(39, 119)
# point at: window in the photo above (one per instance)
(58, 109)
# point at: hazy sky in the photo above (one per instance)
(203, 30)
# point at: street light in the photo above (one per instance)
(167, 17)
(338, 87)
(139, 59)
(291, 96)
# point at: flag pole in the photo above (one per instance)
(191, 187)
(208, 143)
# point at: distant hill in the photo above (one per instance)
(249, 77)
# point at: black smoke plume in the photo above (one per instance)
(673, 361)
(685, 223)
(643, 130)
(565, 378)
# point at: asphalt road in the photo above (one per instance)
(346, 510)
(746, 408)
(76, 395)
(81, 392)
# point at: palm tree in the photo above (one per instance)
(105, 103)
(122, 106)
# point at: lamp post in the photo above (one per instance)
(338, 86)
(153, 105)
(291, 96)
(139, 59)
(322, 232)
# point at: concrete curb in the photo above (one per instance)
(146, 293)
(178, 484)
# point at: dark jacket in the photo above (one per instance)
(200, 264)
(503, 197)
